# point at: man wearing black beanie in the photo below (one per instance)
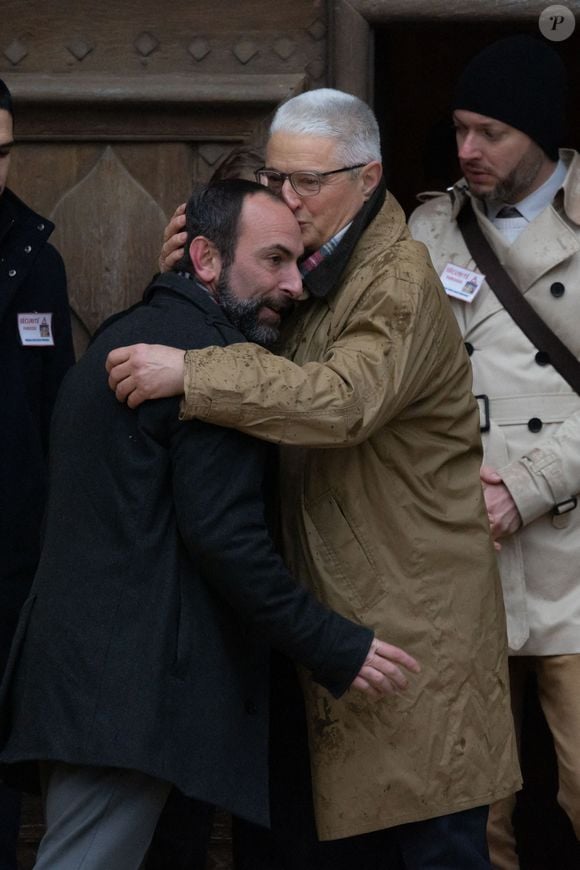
(523, 196)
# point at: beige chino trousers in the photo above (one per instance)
(559, 695)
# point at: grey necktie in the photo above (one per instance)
(509, 211)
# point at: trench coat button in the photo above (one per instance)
(27, 249)
(557, 289)
(542, 358)
(468, 347)
(251, 708)
(12, 273)
(40, 227)
(535, 424)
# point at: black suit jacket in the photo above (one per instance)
(144, 643)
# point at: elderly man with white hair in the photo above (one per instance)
(381, 506)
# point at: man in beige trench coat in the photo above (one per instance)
(509, 114)
(382, 511)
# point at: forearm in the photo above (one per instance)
(364, 379)
(250, 389)
(546, 475)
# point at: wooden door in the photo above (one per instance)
(121, 106)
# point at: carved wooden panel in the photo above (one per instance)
(108, 245)
(120, 107)
(140, 37)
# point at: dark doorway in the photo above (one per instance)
(416, 66)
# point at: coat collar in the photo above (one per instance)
(14, 211)
(326, 277)
(550, 239)
(189, 289)
(571, 186)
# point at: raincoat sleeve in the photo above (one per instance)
(378, 364)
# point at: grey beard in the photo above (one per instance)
(243, 313)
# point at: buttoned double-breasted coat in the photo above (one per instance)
(533, 413)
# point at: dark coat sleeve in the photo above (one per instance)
(218, 482)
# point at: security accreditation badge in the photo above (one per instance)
(461, 283)
(35, 329)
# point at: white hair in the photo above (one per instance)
(335, 115)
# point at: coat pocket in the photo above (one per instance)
(346, 560)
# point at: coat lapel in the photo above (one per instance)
(543, 245)
(540, 248)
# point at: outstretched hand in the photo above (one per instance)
(174, 239)
(381, 672)
(145, 371)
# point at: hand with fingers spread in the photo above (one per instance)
(381, 672)
(145, 371)
(174, 238)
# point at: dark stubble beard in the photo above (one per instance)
(244, 313)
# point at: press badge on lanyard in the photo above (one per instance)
(36, 329)
(461, 283)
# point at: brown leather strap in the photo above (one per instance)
(514, 301)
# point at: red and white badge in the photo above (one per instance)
(461, 283)
(36, 329)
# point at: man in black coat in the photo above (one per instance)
(33, 361)
(141, 657)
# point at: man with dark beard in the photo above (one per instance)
(141, 657)
(525, 197)
(381, 511)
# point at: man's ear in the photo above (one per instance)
(370, 177)
(206, 261)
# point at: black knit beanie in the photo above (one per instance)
(520, 81)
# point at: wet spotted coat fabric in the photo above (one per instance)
(383, 518)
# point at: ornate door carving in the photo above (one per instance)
(120, 107)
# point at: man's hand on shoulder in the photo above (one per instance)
(145, 371)
(504, 517)
(174, 239)
(381, 672)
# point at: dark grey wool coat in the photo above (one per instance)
(145, 640)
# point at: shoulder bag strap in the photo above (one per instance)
(514, 301)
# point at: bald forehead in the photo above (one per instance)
(265, 204)
(267, 219)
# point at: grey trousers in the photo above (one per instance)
(98, 818)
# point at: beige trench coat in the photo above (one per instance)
(383, 517)
(540, 565)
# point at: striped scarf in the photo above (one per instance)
(322, 253)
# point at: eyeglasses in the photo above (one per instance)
(303, 182)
